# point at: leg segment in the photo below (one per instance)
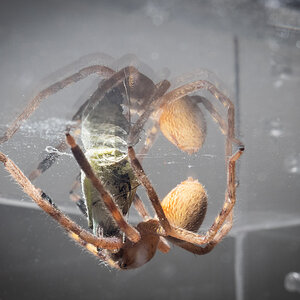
(230, 138)
(45, 203)
(115, 78)
(179, 233)
(193, 248)
(212, 110)
(94, 250)
(149, 108)
(54, 88)
(150, 139)
(140, 174)
(209, 246)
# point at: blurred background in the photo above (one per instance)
(253, 50)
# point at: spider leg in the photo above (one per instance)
(230, 138)
(224, 129)
(230, 196)
(140, 207)
(206, 85)
(166, 228)
(163, 245)
(142, 177)
(199, 250)
(115, 79)
(192, 247)
(230, 199)
(45, 203)
(152, 133)
(52, 89)
(94, 250)
(212, 110)
(135, 131)
(150, 139)
(130, 231)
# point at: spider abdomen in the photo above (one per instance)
(185, 206)
(183, 124)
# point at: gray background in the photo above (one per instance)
(252, 47)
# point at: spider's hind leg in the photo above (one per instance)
(45, 203)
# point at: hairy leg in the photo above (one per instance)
(179, 233)
(135, 131)
(52, 89)
(45, 203)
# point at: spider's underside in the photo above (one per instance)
(111, 171)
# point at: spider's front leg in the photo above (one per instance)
(45, 203)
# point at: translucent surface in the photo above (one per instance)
(253, 48)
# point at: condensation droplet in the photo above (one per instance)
(292, 282)
(275, 132)
(292, 163)
(275, 128)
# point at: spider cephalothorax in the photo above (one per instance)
(111, 171)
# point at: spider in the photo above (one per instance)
(111, 170)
